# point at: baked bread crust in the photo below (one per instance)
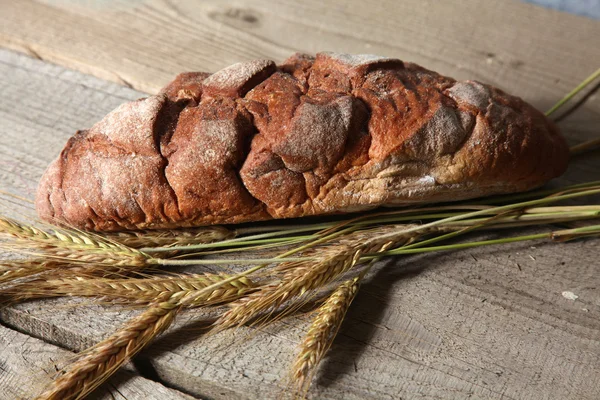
(332, 134)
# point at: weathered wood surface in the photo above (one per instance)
(486, 323)
(27, 365)
(536, 52)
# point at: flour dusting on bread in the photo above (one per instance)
(315, 135)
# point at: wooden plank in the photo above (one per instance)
(485, 323)
(27, 365)
(526, 49)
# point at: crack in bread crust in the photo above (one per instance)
(316, 135)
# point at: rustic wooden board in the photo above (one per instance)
(536, 52)
(27, 365)
(486, 323)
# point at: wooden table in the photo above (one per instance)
(485, 323)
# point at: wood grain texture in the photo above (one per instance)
(485, 323)
(27, 365)
(526, 49)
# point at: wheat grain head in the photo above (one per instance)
(170, 237)
(321, 334)
(142, 291)
(99, 362)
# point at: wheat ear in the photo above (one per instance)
(70, 245)
(325, 327)
(9, 275)
(60, 237)
(170, 237)
(14, 269)
(139, 291)
(300, 277)
(294, 283)
(102, 360)
(321, 333)
(108, 260)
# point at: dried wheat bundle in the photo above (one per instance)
(74, 263)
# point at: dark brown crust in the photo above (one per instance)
(330, 134)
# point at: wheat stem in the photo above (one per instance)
(459, 226)
(272, 299)
(232, 242)
(502, 209)
(574, 92)
(555, 235)
(585, 147)
(281, 234)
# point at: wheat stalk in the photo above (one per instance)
(138, 291)
(73, 262)
(574, 92)
(325, 327)
(101, 361)
(294, 283)
(301, 277)
(321, 333)
(14, 270)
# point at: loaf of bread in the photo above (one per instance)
(334, 133)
